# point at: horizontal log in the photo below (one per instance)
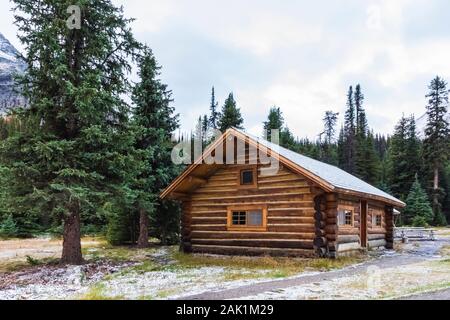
(377, 243)
(230, 250)
(290, 220)
(294, 204)
(209, 220)
(348, 246)
(274, 243)
(250, 235)
(348, 238)
(376, 236)
(292, 228)
(257, 195)
(348, 231)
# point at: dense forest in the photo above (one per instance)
(83, 159)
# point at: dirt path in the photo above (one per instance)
(413, 254)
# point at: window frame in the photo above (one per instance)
(375, 212)
(346, 208)
(253, 185)
(246, 209)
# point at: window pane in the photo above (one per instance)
(247, 177)
(348, 217)
(378, 220)
(341, 218)
(255, 218)
(239, 218)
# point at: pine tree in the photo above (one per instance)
(361, 119)
(77, 154)
(275, 121)
(349, 138)
(329, 150)
(418, 210)
(155, 119)
(436, 144)
(230, 115)
(215, 115)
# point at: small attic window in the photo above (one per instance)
(247, 177)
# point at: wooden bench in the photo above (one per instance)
(414, 233)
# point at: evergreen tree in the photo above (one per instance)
(404, 157)
(230, 115)
(155, 119)
(77, 154)
(329, 149)
(418, 210)
(349, 138)
(275, 121)
(215, 114)
(361, 119)
(436, 144)
(8, 227)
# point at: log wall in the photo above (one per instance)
(349, 236)
(376, 234)
(290, 217)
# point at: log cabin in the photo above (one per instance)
(262, 199)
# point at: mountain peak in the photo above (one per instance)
(10, 65)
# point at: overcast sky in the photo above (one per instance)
(298, 55)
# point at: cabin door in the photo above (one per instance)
(363, 224)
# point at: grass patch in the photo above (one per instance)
(18, 265)
(275, 267)
(421, 289)
(97, 292)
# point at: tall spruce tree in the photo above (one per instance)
(214, 113)
(404, 157)
(230, 115)
(328, 146)
(77, 154)
(436, 143)
(275, 121)
(349, 137)
(155, 120)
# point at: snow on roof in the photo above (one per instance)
(333, 175)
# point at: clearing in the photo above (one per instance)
(29, 270)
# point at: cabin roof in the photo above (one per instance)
(335, 176)
(328, 176)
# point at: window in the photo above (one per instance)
(248, 177)
(377, 220)
(247, 218)
(345, 217)
(377, 217)
(239, 218)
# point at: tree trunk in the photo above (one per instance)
(71, 253)
(436, 191)
(143, 229)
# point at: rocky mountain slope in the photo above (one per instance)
(9, 65)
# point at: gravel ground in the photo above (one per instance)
(330, 285)
(417, 265)
(435, 295)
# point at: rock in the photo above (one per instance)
(10, 65)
